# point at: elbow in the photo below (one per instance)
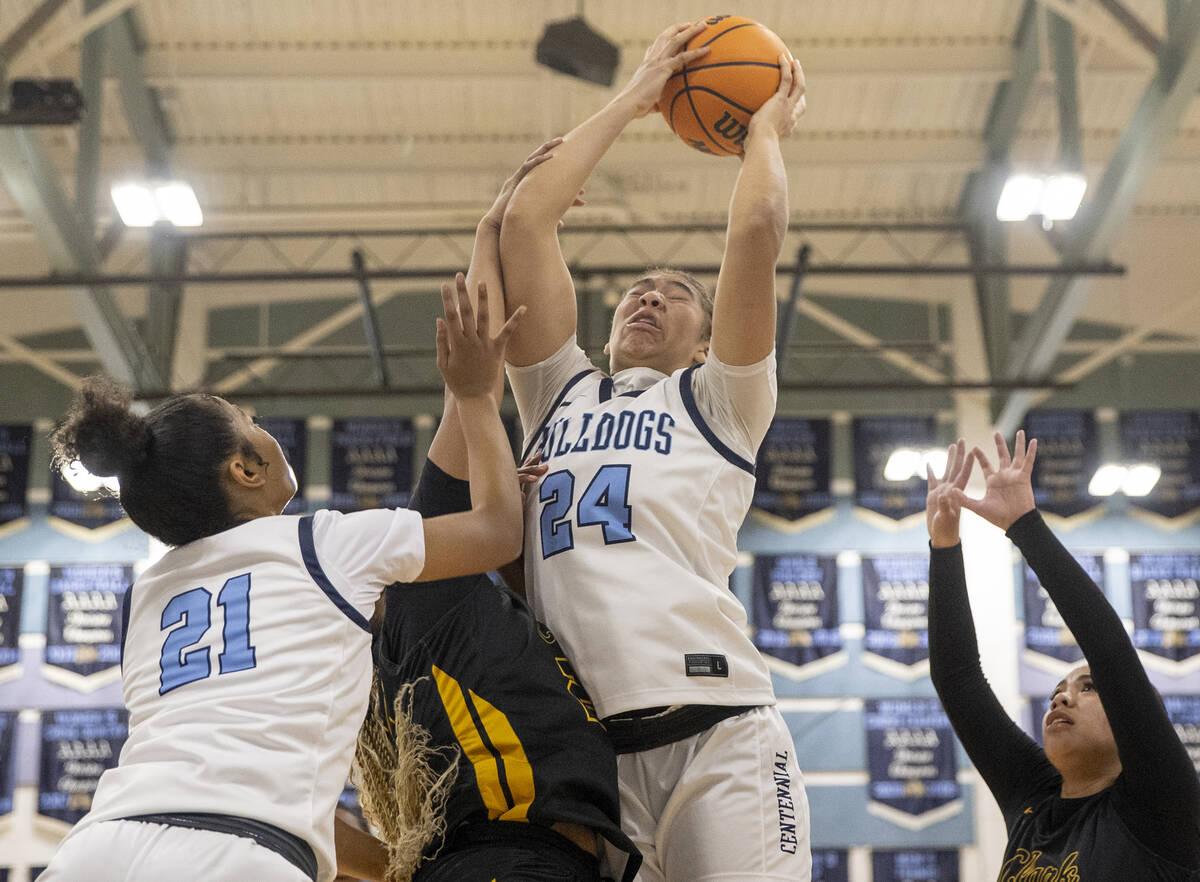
(507, 536)
(525, 214)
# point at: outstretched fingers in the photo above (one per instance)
(452, 321)
(1030, 456)
(1003, 460)
(501, 339)
(985, 465)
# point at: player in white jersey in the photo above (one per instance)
(247, 660)
(631, 537)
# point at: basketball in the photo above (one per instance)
(709, 102)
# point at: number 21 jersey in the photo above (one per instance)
(247, 667)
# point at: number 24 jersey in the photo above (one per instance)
(631, 536)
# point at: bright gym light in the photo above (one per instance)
(1052, 196)
(145, 203)
(907, 462)
(1132, 479)
(83, 481)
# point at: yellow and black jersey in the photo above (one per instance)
(493, 681)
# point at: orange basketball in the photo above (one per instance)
(709, 102)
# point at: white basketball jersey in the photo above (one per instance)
(630, 539)
(247, 667)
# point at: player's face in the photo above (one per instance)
(280, 485)
(1076, 727)
(659, 323)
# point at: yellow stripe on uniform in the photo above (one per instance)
(516, 765)
(487, 773)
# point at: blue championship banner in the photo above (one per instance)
(896, 614)
(911, 760)
(292, 435)
(370, 463)
(940, 865)
(11, 581)
(77, 747)
(1166, 608)
(1184, 711)
(1046, 636)
(83, 624)
(875, 438)
(830, 865)
(1170, 438)
(1067, 456)
(795, 608)
(8, 730)
(88, 510)
(792, 479)
(14, 471)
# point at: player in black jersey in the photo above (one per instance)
(1114, 795)
(482, 757)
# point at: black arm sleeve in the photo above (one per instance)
(413, 608)
(1011, 763)
(1157, 793)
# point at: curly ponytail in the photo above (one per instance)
(168, 462)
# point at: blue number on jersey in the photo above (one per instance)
(605, 503)
(177, 667)
(238, 654)
(192, 608)
(557, 489)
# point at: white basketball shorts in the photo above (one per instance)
(133, 851)
(727, 804)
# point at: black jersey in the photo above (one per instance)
(494, 681)
(1084, 839)
(1145, 827)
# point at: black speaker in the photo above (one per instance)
(42, 103)
(573, 48)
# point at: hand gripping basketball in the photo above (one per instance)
(708, 103)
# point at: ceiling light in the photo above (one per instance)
(903, 464)
(1020, 197)
(1140, 479)
(1132, 479)
(1062, 195)
(145, 203)
(1054, 197)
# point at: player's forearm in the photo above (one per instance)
(495, 493)
(744, 314)
(758, 209)
(359, 855)
(550, 189)
(485, 267)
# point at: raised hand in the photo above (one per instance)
(666, 55)
(496, 213)
(783, 110)
(467, 357)
(943, 504)
(1009, 486)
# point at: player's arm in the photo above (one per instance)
(449, 449)
(535, 272)
(490, 533)
(359, 855)
(743, 329)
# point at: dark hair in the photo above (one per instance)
(703, 296)
(168, 462)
